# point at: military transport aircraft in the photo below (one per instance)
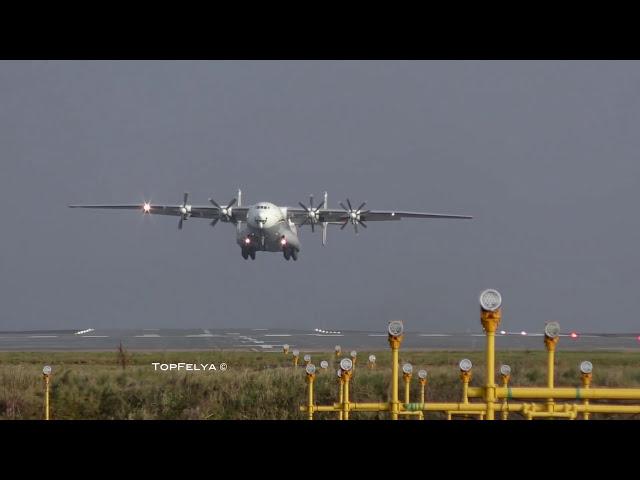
(270, 228)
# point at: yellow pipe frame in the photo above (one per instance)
(490, 322)
(46, 396)
(505, 405)
(586, 383)
(550, 344)
(394, 343)
(310, 409)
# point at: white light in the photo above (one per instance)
(407, 368)
(247, 240)
(147, 207)
(503, 332)
(372, 358)
(523, 332)
(505, 370)
(353, 354)
(46, 370)
(338, 349)
(285, 346)
(395, 328)
(310, 369)
(283, 241)
(465, 364)
(422, 374)
(346, 364)
(296, 353)
(307, 358)
(490, 300)
(586, 367)
(324, 364)
(339, 372)
(552, 329)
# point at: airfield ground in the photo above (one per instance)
(94, 385)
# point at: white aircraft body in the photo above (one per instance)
(268, 227)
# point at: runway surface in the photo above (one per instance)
(272, 340)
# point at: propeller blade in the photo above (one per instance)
(232, 203)
(311, 201)
(312, 229)
(355, 227)
(303, 206)
(215, 220)
(214, 203)
(324, 233)
(342, 205)
(180, 224)
(360, 207)
(320, 206)
(305, 221)
(344, 224)
(186, 198)
(349, 203)
(363, 224)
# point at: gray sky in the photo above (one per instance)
(544, 155)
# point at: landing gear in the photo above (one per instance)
(252, 254)
(245, 253)
(248, 252)
(290, 253)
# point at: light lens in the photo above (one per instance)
(574, 335)
(505, 370)
(247, 240)
(324, 364)
(285, 346)
(353, 354)
(283, 241)
(395, 328)
(337, 349)
(310, 369)
(372, 358)
(523, 332)
(503, 332)
(346, 364)
(552, 329)
(296, 353)
(307, 358)
(465, 365)
(586, 367)
(46, 370)
(146, 207)
(407, 368)
(490, 300)
(422, 374)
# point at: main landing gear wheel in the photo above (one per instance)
(252, 254)
(286, 254)
(294, 254)
(245, 253)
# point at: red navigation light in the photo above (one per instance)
(573, 335)
(639, 338)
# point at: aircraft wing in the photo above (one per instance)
(299, 215)
(197, 211)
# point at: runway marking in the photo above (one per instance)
(94, 336)
(434, 335)
(200, 335)
(259, 329)
(277, 335)
(148, 335)
(377, 335)
(232, 333)
(43, 336)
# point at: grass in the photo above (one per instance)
(94, 385)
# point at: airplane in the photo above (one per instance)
(267, 227)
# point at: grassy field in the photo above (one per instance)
(258, 385)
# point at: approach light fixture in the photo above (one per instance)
(310, 369)
(552, 329)
(372, 358)
(407, 369)
(490, 300)
(465, 364)
(296, 353)
(346, 364)
(324, 364)
(505, 370)
(586, 367)
(307, 358)
(46, 370)
(422, 374)
(395, 328)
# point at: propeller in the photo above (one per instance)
(353, 216)
(185, 210)
(225, 213)
(312, 213)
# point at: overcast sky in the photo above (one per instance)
(544, 155)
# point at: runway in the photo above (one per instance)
(272, 340)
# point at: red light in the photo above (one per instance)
(639, 338)
(574, 335)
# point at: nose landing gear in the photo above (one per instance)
(290, 253)
(246, 253)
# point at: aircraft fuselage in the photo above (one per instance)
(267, 229)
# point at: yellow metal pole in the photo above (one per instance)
(490, 322)
(550, 344)
(407, 388)
(576, 393)
(295, 360)
(345, 403)
(340, 414)
(46, 397)
(505, 407)
(394, 342)
(310, 379)
(466, 378)
(586, 383)
(423, 386)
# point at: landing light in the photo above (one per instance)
(147, 207)
(503, 332)
(283, 241)
(523, 332)
(573, 335)
(247, 240)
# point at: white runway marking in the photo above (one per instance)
(148, 335)
(43, 336)
(434, 335)
(94, 336)
(200, 335)
(277, 335)
(376, 335)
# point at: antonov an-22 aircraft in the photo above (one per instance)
(267, 227)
